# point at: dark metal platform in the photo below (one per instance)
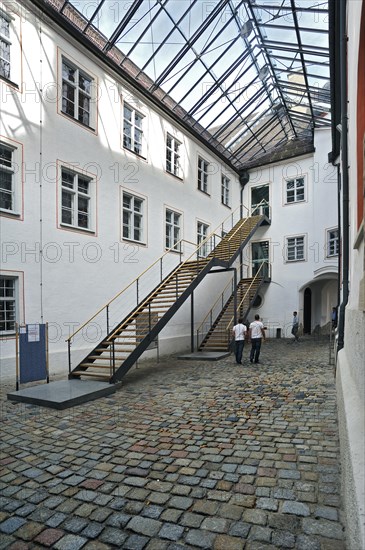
(63, 393)
(205, 355)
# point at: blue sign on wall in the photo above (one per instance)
(32, 353)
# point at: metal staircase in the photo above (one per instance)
(216, 335)
(126, 340)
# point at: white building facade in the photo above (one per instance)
(97, 183)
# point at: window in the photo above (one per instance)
(7, 304)
(7, 184)
(76, 93)
(202, 233)
(5, 44)
(173, 156)
(173, 228)
(132, 217)
(295, 249)
(225, 190)
(203, 167)
(332, 242)
(295, 190)
(76, 199)
(132, 129)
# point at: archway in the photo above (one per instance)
(307, 311)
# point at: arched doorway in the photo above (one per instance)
(307, 311)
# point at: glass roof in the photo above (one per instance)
(250, 77)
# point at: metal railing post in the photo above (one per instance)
(69, 355)
(137, 290)
(161, 274)
(107, 319)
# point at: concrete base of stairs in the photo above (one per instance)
(63, 393)
(205, 355)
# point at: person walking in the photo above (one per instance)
(239, 333)
(256, 333)
(295, 326)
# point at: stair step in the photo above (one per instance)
(94, 366)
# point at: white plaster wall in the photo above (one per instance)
(310, 218)
(79, 271)
(351, 359)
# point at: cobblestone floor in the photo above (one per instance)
(185, 455)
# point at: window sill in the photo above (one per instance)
(180, 178)
(226, 205)
(138, 155)
(204, 192)
(76, 228)
(10, 82)
(78, 122)
(132, 241)
(10, 213)
(173, 251)
(295, 261)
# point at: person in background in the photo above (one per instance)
(295, 326)
(239, 333)
(334, 317)
(256, 332)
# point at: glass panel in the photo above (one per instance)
(5, 156)
(83, 185)
(67, 179)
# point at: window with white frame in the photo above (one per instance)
(10, 44)
(173, 152)
(203, 169)
(132, 129)
(173, 229)
(76, 199)
(295, 250)
(295, 189)
(333, 243)
(7, 178)
(77, 87)
(202, 233)
(5, 45)
(225, 190)
(8, 305)
(133, 217)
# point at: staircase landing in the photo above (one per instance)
(63, 393)
(205, 355)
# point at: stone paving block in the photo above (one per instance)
(240, 529)
(29, 530)
(92, 530)
(323, 527)
(226, 542)
(171, 515)
(305, 542)
(296, 508)
(190, 519)
(144, 526)
(48, 537)
(257, 517)
(11, 524)
(283, 539)
(70, 542)
(171, 531)
(217, 525)
(200, 539)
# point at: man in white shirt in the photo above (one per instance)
(239, 333)
(256, 332)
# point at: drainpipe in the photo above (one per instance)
(345, 174)
(244, 178)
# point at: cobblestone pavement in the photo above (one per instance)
(187, 454)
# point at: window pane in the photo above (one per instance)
(68, 72)
(83, 204)
(83, 185)
(67, 179)
(127, 201)
(5, 156)
(85, 84)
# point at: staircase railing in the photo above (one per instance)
(108, 317)
(212, 315)
(263, 208)
(226, 331)
(258, 275)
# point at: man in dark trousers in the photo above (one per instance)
(295, 326)
(257, 332)
(239, 333)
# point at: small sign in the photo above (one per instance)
(33, 333)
